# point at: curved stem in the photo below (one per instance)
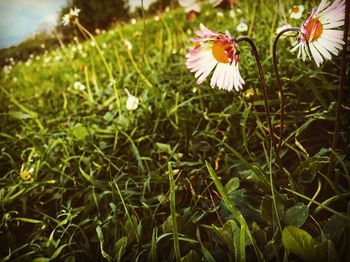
(265, 93)
(278, 79)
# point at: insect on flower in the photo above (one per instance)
(318, 34)
(215, 51)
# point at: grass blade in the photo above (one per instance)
(173, 213)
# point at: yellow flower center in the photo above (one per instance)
(295, 9)
(219, 52)
(315, 29)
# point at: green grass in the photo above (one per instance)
(187, 176)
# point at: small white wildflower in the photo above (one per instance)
(80, 47)
(104, 45)
(57, 57)
(15, 79)
(231, 13)
(167, 9)
(92, 43)
(133, 102)
(71, 16)
(42, 46)
(31, 56)
(79, 86)
(127, 44)
(7, 69)
(220, 14)
(190, 6)
(215, 3)
(156, 18)
(297, 11)
(242, 27)
(282, 27)
(133, 21)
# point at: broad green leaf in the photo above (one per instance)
(232, 185)
(296, 215)
(119, 248)
(164, 148)
(267, 209)
(19, 115)
(230, 232)
(300, 243)
(192, 256)
(80, 132)
(327, 252)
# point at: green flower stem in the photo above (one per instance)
(265, 94)
(278, 79)
(108, 68)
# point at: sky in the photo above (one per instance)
(20, 19)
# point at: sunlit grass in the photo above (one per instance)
(84, 177)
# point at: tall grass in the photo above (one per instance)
(83, 178)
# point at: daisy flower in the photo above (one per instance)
(215, 3)
(79, 86)
(71, 16)
(318, 35)
(220, 14)
(127, 44)
(215, 51)
(190, 5)
(282, 27)
(242, 27)
(297, 11)
(132, 103)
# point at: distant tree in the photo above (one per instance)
(159, 6)
(99, 14)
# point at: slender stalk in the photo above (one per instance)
(278, 79)
(340, 98)
(108, 68)
(265, 94)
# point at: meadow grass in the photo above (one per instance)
(189, 175)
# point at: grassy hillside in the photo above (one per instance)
(190, 172)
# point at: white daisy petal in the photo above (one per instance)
(316, 55)
(216, 52)
(319, 34)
